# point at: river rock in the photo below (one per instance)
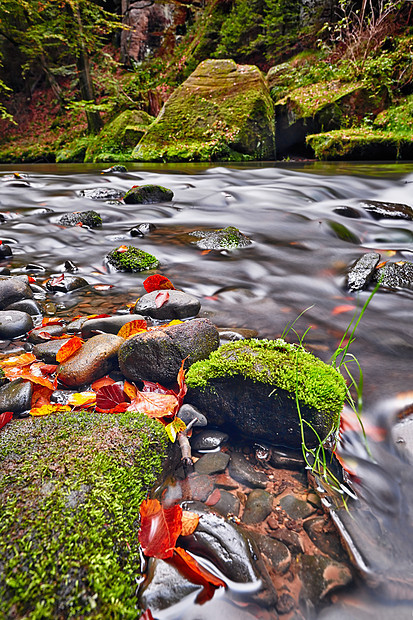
(131, 260)
(212, 463)
(252, 384)
(296, 508)
(14, 323)
(101, 193)
(227, 504)
(75, 326)
(178, 305)
(187, 413)
(30, 306)
(286, 459)
(361, 274)
(86, 218)
(321, 575)
(5, 251)
(208, 440)
(164, 586)
(395, 275)
(258, 506)
(117, 168)
(142, 229)
(241, 470)
(53, 329)
(108, 324)
(387, 210)
(275, 551)
(46, 351)
(16, 396)
(229, 335)
(13, 289)
(229, 238)
(157, 355)
(322, 534)
(223, 111)
(96, 358)
(148, 194)
(66, 284)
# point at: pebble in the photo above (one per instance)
(30, 306)
(227, 504)
(66, 284)
(321, 575)
(296, 508)
(16, 396)
(291, 539)
(108, 325)
(212, 463)
(179, 305)
(326, 540)
(241, 470)
(14, 323)
(258, 506)
(12, 290)
(199, 486)
(208, 440)
(187, 413)
(277, 553)
(55, 329)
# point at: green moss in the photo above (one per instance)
(74, 151)
(361, 143)
(147, 194)
(132, 260)
(70, 490)
(276, 363)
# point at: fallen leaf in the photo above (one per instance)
(69, 347)
(157, 283)
(133, 327)
(97, 316)
(40, 396)
(181, 383)
(108, 397)
(57, 280)
(154, 405)
(20, 360)
(147, 615)
(53, 320)
(5, 417)
(161, 299)
(174, 427)
(160, 528)
(48, 369)
(194, 572)
(96, 385)
(47, 336)
(190, 522)
(130, 389)
(82, 399)
(122, 248)
(343, 308)
(48, 409)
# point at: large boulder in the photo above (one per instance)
(254, 386)
(222, 111)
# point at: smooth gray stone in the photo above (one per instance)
(67, 284)
(14, 323)
(108, 325)
(277, 553)
(180, 305)
(362, 271)
(242, 471)
(286, 459)
(16, 396)
(46, 351)
(208, 440)
(321, 575)
(54, 330)
(324, 538)
(13, 289)
(187, 413)
(26, 305)
(164, 586)
(212, 463)
(258, 506)
(75, 326)
(296, 508)
(228, 504)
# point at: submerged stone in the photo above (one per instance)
(13, 289)
(148, 194)
(254, 385)
(258, 506)
(133, 259)
(387, 210)
(101, 193)
(229, 238)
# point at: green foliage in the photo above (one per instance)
(239, 31)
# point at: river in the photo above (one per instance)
(303, 242)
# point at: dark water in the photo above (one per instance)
(297, 261)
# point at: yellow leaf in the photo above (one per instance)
(48, 409)
(174, 427)
(190, 522)
(81, 399)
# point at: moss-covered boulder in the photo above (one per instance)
(131, 259)
(147, 194)
(322, 107)
(117, 139)
(70, 490)
(361, 143)
(223, 111)
(253, 385)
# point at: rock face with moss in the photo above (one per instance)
(132, 259)
(70, 490)
(223, 111)
(147, 194)
(229, 238)
(252, 385)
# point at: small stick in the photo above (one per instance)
(185, 447)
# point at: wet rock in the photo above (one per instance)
(12, 290)
(75, 326)
(296, 508)
(131, 260)
(14, 323)
(197, 487)
(65, 284)
(224, 481)
(286, 459)
(117, 169)
(395, 275)
(291, 539)
(187, 413)
(148, 194)
(142, 229)
(207, 440)
(231, 335)
(362, 271)
(252, 385)
(70, 266)
(164, 586)
(108, 325)
(37, 291)
(4, 271)
(324, 537)
(285, 604)
(347, 211)
(212, 463)
(179, 305)
(30, 306)
(157, 355)
(16, 396)
(86, 218)
(321, 575)
(402, 437)
(96, 358)
(387, 210)
(101, 193)
(241, 470)
(5, 251)
(258, 506)
(276, 552)
(229, 238)
(54, 330)
(47, 351)
(227, 504)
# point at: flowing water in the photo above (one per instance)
(302, 245)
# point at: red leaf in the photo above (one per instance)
(53, 320)
(155, 405)
(161, 298)
(343, 308)
(147, 615)
(69, 347)
(41, 396)
(5, 417)
(109, 397)
(194, 572)
(57, 280)
(160, 528)
(150, 386)
(99, 383)
(181, 382)
(48, 369)
(157, 283)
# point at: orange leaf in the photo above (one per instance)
(160, 528)
(122, 248)
(343, 308)
(133, 327)
(20, 360)
(120, 408)
(38, 380)
(130, 390)
(154, 405)
(190, 522)
(194, 572)
(82, 399)
(53, 320)
(101, 382)
(41, 396)
(48, 409)
(69, 347)
(157, 283)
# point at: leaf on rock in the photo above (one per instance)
(181, 383)
(194, 572)
(48, 409)
(132, 328)
(57, 280)
(147, 615)
(122, 248)
(18, 360)
(69, 347)
(157, 283)
(161, 299)
(160, 528)
(174, 427)
(111, 399)
(5, 417)
(51, 320)
(99, 383)
(97, 316)
(41, 396)
(130, 389)
(190, 522)
(154, 405)
(82, 399)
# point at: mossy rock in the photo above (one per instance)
(223, 111)
(117, 139)
(253, 385)
(361, 143)
(70, 489)
(133, 259)
(229, 238)
(148, 194)
(73, 151)
(92, 219)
